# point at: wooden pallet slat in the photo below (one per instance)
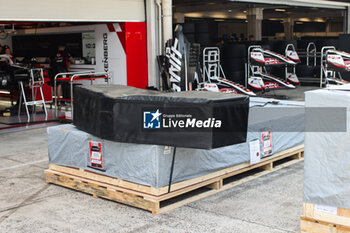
(317, 221)
(158, 200)
(312, 226)
(100, 190)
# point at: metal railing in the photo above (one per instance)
(76, 76)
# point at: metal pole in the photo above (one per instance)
(71, 95)
(43, 100)
(55, 93)
(25, 100)
(186, 75)
(20, 101)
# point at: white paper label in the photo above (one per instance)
(96, 155)
(96, 161)
(167, 150)
(326, 209)
(68, 115)
(254, 148)
(267, 143)
(266, 138)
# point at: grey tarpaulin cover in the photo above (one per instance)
(327, 154)
(150, 164)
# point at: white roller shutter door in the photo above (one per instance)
(73, 10)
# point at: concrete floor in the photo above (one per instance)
(27, 204)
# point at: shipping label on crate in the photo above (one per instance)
(266, 139)
(96, 157)
(326, 209)
(254, 148)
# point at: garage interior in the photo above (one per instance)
(234, 26)
(230, 25)
(243, 145)
(35, 44)
(278, 21)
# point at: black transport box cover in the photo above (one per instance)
(202, 120)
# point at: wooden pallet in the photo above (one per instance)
(308, 225)
(158, 200)
(314, 221)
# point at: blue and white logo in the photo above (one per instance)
(151, 120)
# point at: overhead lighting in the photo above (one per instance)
(275, 19)
(304, 20)
(244, 11)
(229, 10)
(218, 15)
(280, 10)
(194, 15)
(319, 20)
(298, 22)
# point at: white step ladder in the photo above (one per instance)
(36, 81)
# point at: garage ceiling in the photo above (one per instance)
(224, 9)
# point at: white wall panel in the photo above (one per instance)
(73, 10)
